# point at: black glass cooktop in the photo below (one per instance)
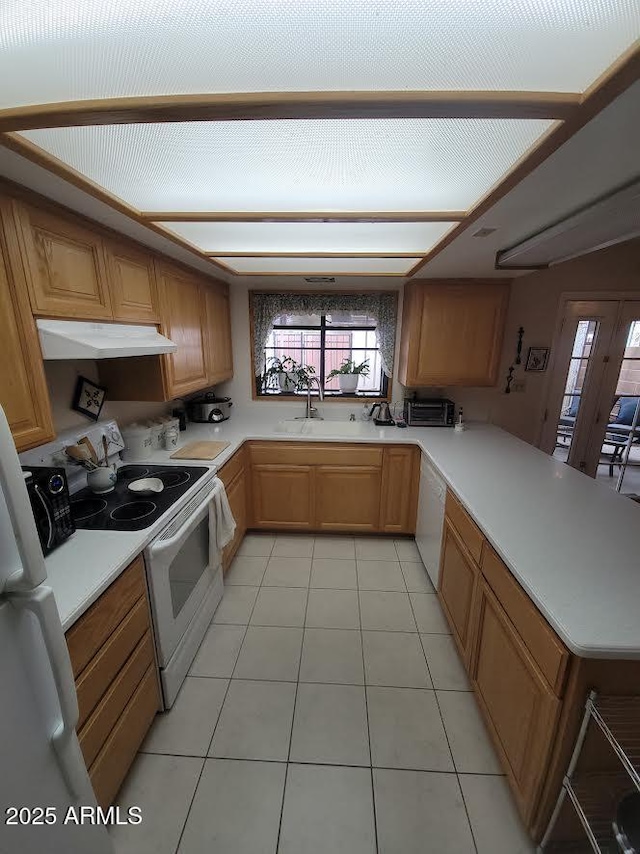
(123, 510)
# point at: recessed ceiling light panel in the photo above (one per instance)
(320, 266)
(66, 50)
(297, 165)
(301, 237)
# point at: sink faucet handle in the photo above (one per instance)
(352, 417)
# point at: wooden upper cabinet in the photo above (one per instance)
(23, 389)
(183, 310)
(452, 333)
(400, 476)
(219, 354)
(65, 264)
(134, 294)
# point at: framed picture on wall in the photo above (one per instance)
(537, 359)
(88, 398)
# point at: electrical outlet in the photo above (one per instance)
(518, 387)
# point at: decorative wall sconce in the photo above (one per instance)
(517, 361)
(507, 389)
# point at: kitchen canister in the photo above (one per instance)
(137, 441)
(157, 429)
(172, 436)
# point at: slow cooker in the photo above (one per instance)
(209, 409)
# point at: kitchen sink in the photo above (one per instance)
(316, 427)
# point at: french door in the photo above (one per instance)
(594, 387)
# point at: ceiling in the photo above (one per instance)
(275, 138)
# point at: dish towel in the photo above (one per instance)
(221, 517)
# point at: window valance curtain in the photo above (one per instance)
(380, 306)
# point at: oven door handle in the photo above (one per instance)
(193, 519)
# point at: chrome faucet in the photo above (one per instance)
(311, 411)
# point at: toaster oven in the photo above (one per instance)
(432, 412)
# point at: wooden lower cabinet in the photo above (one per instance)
(400, 484)
(516, 663)
(113, 661)
(458, 583)
(23, 389)
(519, 707)
(282, 497)
(110, 768)
(333, 487)
(234, 476)
(347, 498)
(237, 495)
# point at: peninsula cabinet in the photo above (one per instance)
(458, 587)
(519, 707)
(134, 293)
(66, 265)
(23, 389)
(452, 333)
(113, 661)
(529, 687)
(317, 486)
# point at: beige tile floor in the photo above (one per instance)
(326, 711)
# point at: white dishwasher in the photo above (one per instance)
(433, 491)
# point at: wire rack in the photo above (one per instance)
(595, 795)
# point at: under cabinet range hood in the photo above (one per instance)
(72, 339)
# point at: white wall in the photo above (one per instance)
(61, 380)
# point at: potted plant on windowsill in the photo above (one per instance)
(349, 375)
(286, 374)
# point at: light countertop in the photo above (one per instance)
(571, 542)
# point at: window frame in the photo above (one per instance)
(387, 382)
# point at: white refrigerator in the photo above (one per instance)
(41, 765)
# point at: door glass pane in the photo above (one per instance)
(581, 352)
(620, 423)
(189, 565)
